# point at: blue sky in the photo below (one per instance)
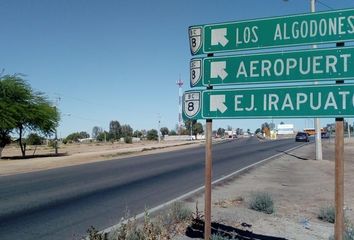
(120, 60)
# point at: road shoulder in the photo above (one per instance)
(299, 186)
(84, 155)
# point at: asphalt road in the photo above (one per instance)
(63, 203)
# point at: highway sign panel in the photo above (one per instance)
(300, 65)
(281, 102)
(310, 28)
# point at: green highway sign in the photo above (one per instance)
(282, 102)
(300, 65)
(310, 28)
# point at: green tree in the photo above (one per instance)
(84, 135)
(96, 131)
(220, 132)
(115, 130)
(126, 131)
(144, 133)
(239, 131)
(173, 133)
(102, 136)
(152, 134)
(197, 129)
(34, 139)
(189, 124)
(137, 134)
(23, 109)
(164, 131)
(258, 130)
(75, 137)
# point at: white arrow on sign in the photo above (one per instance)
(219, 36)
(217, 102)
(217, 69)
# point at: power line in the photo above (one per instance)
(324, 4)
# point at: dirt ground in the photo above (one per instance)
(74, 154)
(299, 186)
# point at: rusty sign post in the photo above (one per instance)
(339, 173)
(208, 175)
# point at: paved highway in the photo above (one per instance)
(63, 203)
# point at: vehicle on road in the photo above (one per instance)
(302, 137)
(324, 134)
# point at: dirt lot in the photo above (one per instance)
(74, 154)
(299, 186)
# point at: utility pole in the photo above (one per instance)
(158, 127)
(179, 84)
(191, 129)
(56, 128)
(56, 136)
(317, 123)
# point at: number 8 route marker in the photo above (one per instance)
(281, 102)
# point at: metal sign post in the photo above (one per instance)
(339, 173)
(208, 175)
(339, 180)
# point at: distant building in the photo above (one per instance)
(86, 140)
(230, 134)
(285, 129)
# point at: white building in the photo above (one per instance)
(285, 129)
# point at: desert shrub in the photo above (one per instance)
(218, 237)
(152, 135)
(161, 227)
(327, 214)
(51, 143)
(93, 234)
(262, 202)
(34, 139)
(179, 212)
(221, 237)
(130, 230)
(348, 233)
(128, 139)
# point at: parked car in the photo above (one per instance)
(302, 137)
(324, 134)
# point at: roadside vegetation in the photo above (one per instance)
(166, 225)
(24, 111)
(327, 214)
(261, 202)
(348, 232)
